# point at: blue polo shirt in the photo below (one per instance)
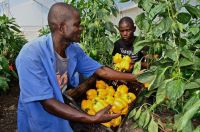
(37, 78)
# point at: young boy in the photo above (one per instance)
(125, 44)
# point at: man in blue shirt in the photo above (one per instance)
(40, 65)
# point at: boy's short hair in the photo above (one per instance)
(127, 20)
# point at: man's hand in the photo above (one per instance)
(103, 115)
(67, 112)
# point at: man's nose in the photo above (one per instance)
(124, 33)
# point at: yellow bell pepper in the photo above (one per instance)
(127, 59)
(125, 110)
(125, 65)
(131, 97)
(99, 105)
(125, 97)
(116, 122)
(91, 112)
(86, 104)
(100, 84)
(115, 110)
(117, 67)
(119, 103)
(122, 89)
(107, 124)
(109, 99)
(146, 85)
(110, 90)
(101, 93)
(91, 93)
(117, 58)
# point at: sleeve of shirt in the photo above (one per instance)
(86, 65)
(34, 82)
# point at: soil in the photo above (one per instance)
(8, 108)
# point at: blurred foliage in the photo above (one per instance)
(171, 30)
(99, 33)
(44, 30)
(11, 41)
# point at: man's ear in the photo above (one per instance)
(61, 27)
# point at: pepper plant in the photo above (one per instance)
(170, 28)
(11, 41)
(98, 32)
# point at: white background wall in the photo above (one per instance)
(31, 15)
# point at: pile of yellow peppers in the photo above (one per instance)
(121, 63)
(103, 95)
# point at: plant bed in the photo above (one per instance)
(8, 107)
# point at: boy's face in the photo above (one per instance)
(126, 31)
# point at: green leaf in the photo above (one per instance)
(185, 62)
(188, 127)
(142, 22)
(183, 17)
(3, 84)
(172, 54)
(178, 4)
(192, 85)
(142, 119)
(175, 89)
(160, 8)
(190, 103)
(187, 54)
(137, 115)
(132, 113)
(4, 63)
(15, 28)
(159, 78)
(148, 117)
(141, 44)
(114, 11)
(197, 129)
(194, 11)
(137, 67)
(110, 27)
(146, 5)
(162, 27)
(187, 116)
(153, 126)
(196, 61)
(136, 1)
(194, 30)
(162, 92)
(146, 77)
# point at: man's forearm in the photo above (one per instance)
(64, 111)
(111, 74)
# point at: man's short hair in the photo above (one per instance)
(59, 13)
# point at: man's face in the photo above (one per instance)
(126, 31)
(72, 29)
